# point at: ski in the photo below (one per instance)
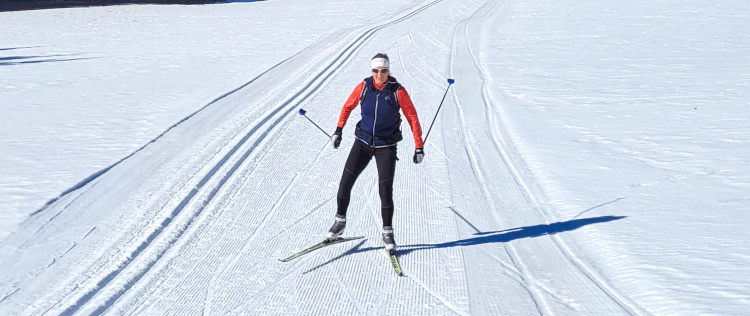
(394, 262)
(322, 244)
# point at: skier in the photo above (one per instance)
(378, 132)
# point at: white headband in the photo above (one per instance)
(379, 62)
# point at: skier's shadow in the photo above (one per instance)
(487, 237)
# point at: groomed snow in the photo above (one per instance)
(589, 160)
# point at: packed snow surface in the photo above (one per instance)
(590, 159)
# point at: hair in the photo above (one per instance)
(381, 55)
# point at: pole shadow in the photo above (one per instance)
(501, 236)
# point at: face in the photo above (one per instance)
(380, 75)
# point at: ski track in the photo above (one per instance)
(536, 200)
(253, 236)
(532, 197)
(478, 170)
(127, 283)
(9, 295)
(313, 211)
(439, 297)
(97, 174)
(285, 108)
(539, 303)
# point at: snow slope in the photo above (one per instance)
(588, 160)
(642, 111)
(92, 85)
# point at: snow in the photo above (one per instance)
(645, 112)
(589, 159)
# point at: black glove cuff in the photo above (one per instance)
(339, 130)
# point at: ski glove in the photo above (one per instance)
(336, 138)
(418, 155)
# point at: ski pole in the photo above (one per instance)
(450, 82)
(302, 112)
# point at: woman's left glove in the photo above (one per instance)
(418, 155)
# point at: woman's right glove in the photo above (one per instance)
(418, 155)
(336, 138)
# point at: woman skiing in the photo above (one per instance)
(381, 98)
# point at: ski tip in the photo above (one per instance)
(451, 81)
(302, 112)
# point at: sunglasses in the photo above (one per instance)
(382, 71)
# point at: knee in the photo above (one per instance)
(386, 190)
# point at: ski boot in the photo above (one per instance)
(337, 229)
(388, 240)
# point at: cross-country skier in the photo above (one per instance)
(381, 98)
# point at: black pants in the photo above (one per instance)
(359, 157)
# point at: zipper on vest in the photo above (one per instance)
(375, 121)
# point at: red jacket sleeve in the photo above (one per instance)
(411, 116)
(351, 104)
